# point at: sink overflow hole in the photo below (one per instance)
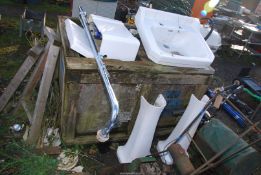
(166, 46)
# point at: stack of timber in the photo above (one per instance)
(45, 59)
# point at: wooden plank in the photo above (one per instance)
(71, 121)
(49, 32)
(142, 78)
(62, 72)
(87, 64)
(69, 110)
(35, 51)
(45, 85)
(37, 73)
(33, 80)
(52, 37)
(27, 110)
(19, 76)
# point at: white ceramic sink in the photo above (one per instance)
(172, 39)
(77, 39)
(117, 41)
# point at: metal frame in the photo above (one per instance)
(246, 41)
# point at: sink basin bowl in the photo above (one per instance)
(117, 42)
(172, 39)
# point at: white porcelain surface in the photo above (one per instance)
(193, 109)
(117, 41)
(214, 40)
(172, 39)
(77, 39)
(139, 142)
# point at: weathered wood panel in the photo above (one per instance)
(68, 112)
(88, 64)
(93, 108)
(35, 129)
(141, 78)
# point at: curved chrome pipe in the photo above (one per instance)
(103, 134)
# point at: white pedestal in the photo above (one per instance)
(193, 109)
(139, 142)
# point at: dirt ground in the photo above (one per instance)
(227, 65)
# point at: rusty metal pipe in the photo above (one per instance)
(181, 159)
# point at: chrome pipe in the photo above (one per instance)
(103, 134)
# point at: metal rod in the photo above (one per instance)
(232, 112)
(217, 163)
(256, 111)
(103, 134)
(197, 147)
(182, 160)
(243, 115)
(207, 105)
(208, 163)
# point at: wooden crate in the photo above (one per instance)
(85, 106)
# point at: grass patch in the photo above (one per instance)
(44, 6)
(6, 2)
(51, 8)
(12, 48)
(19, 159)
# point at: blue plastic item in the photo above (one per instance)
(230, 110)
(258, 27)
(233, 113)
(97, 34)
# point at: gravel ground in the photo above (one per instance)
(226, 69)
